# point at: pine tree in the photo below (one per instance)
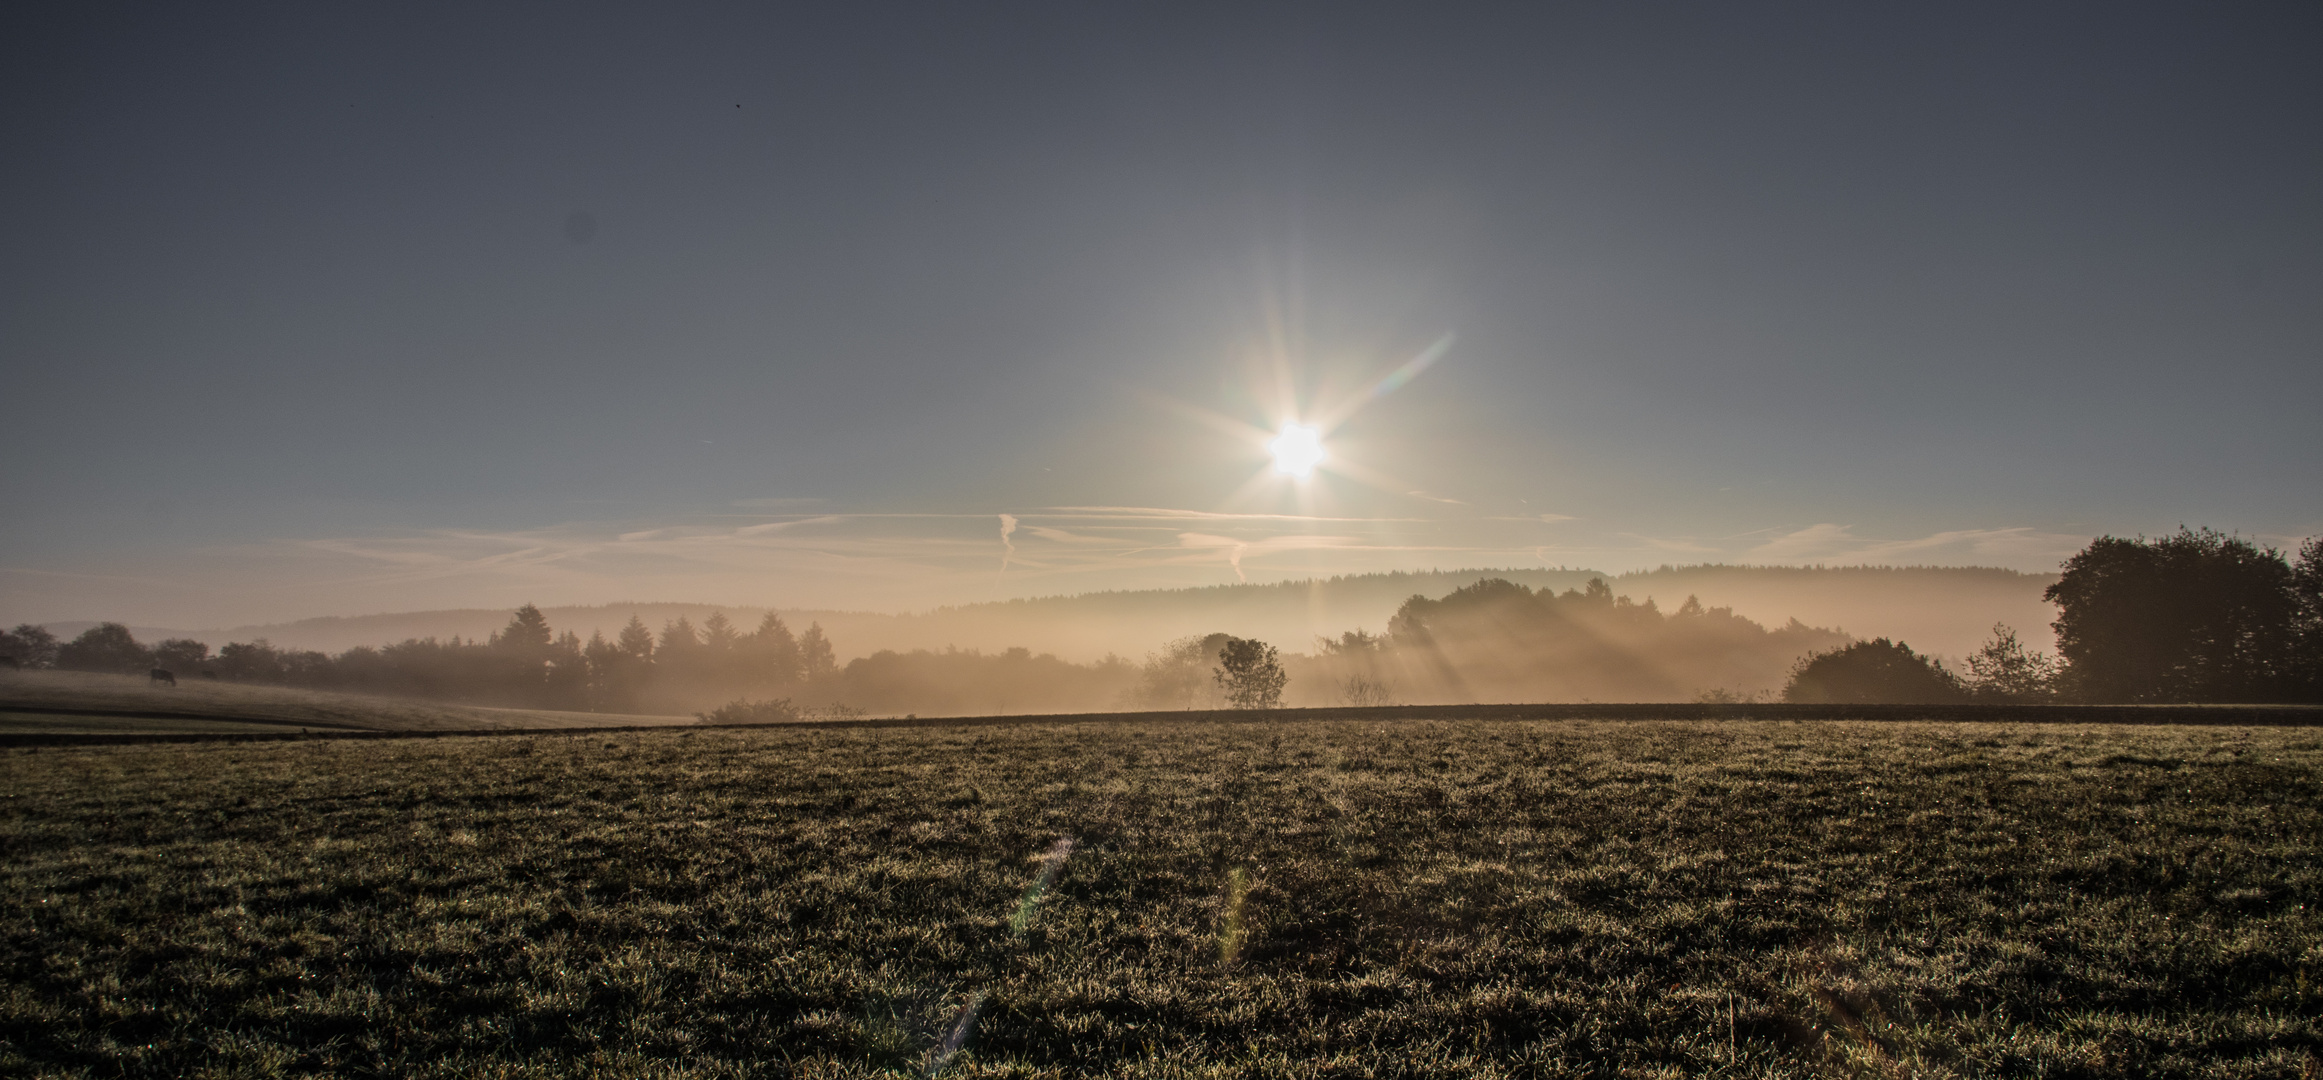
(718, 633)
(816, 661)
(775, 651)
(600, 653)
(527, 632)
(635, 639)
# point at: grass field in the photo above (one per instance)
(36, 702)
(1319, 899)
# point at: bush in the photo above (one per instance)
(746, 711)
(2004, 672)
(1875, 672)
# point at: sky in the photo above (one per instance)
(333, 309)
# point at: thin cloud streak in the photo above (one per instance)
(905, 562)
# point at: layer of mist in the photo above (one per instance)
(1941, 611)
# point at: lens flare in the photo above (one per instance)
(1051, 864)
(1297, 450)
(1231, 932)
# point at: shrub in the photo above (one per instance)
(1872, 672)
(746, 711)
(2005, 672)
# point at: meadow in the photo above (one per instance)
(1297, 899)
(34, 703)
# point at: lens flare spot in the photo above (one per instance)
(1231, 932)
(1297, 450)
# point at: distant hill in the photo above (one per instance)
(1944, 610)
(1082, 627)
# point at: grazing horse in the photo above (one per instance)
(158, 675)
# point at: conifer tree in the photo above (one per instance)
(816, 660)
(774, 651)
(636, 639)
(527, 632)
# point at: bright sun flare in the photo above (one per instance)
(1297, 450)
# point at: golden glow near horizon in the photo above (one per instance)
(1297, 450)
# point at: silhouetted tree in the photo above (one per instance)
(250, 661)
(181, 654)
(1351, 643)
(774, 652)
(2004, 672)
(2195, 617)
(2307, 624)
(105, 647)
(1872, 672)
(816, 660)
(1364, 692)
(636, 640)
(567, 677)
(718, 633)
(30, 646)
(1497, 640)
(679, 643)
(1178, 677)
(527, 632)
(1251, 674)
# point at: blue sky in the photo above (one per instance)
(313, 310)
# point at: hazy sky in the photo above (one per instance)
(321, 309)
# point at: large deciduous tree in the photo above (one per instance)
(29, 646)
(181, 654)
(105, 647)
(2307, 628)
(2195, 617)
(1251, 674)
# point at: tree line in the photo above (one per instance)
(2194, 617)
(527, 664)
(2197, 617)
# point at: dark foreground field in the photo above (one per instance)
(1740, 898)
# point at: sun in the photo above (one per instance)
(1297, 450)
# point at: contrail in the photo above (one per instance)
(1007, 546)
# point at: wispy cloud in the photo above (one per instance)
(1435, 498)
(1827, 542)
(915, 561)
